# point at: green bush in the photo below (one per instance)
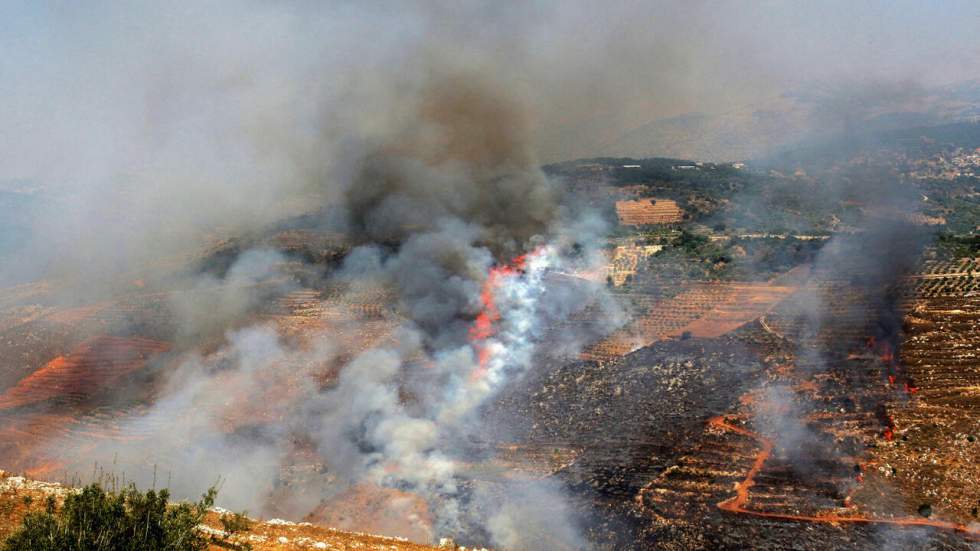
(96, 520)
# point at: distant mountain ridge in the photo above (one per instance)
(763, 129)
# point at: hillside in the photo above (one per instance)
(784, 121)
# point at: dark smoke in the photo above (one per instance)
(465, 154)
(156, 131)
(449, 191)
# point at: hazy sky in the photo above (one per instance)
(174, 116)
(78, 75)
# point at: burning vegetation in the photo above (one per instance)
(430, 387)
(353, 292)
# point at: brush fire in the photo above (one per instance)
(554, 276)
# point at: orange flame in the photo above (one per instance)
(738, 504)
(484, 327)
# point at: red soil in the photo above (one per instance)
(93, 366)
(704, 309)
(648, 210)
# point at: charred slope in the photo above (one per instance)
(631, 418)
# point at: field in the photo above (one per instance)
(648, 211)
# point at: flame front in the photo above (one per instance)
(502, 336)
(484, 327)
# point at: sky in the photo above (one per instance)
(180, 117)
(71, 70)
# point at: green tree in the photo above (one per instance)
(96, 520)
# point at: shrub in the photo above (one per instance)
(234, 523)
(96, 520)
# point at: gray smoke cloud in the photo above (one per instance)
(156, 130)
(149, 127)
(853, 295)
(441, 187)
(212, 304)
(397, 415)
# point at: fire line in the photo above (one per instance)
(737, 503)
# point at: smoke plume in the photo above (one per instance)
(154, 132)
(456, 220)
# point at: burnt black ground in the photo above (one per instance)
(632, 418)
(637, 416)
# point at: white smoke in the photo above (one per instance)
(367, 427)
(511, 346)
(426, 153)
(395, 417)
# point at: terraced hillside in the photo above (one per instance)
(702, 309)
(59, 367)
(947, 278)
(888, 442)
(648, 210)
(701, 385)
(94, 365)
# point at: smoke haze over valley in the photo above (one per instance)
(543, 275)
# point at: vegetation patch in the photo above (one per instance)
(95, 519)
